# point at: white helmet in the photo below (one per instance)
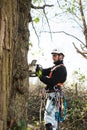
(57, 51)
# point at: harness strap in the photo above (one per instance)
(60, 84)
(50, 75)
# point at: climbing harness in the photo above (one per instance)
(58, 102)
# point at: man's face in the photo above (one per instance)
(55, 57)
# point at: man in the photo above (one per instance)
(52, 77)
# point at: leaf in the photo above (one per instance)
(36, 20)
(30, 44)
(34, 1)
(86, 104)
(75, 72)
(39, 1)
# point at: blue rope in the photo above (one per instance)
(57, 114)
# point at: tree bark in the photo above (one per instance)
(14, 39)
(83, 21)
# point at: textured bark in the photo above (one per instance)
(6, 50)
(14, 39)
(83, 21)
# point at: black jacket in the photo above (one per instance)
(59, 76)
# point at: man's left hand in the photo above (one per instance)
(39, 71)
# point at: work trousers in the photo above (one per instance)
(50, 109)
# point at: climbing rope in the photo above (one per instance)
(60, 103)
(58, 116)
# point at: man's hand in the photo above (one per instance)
(39, 71)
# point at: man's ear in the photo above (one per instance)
(62, 57)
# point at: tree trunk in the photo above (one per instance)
(14, 39)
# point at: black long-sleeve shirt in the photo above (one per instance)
(58, 76)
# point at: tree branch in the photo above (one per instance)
(36, 34)
(82, 53)
(41, 7)
(47, 22)
(58, 3)
(77, 22)
(68, 35)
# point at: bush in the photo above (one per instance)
(76, 118)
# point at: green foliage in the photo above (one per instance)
(72, 6)
(76, 109)
(20, 125)
(37, 1)
(23, 125)
(36, 20)
(30, 44)
(69, 6)
(79, 77)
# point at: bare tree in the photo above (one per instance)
(75, 11)
(83, 50)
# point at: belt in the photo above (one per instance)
(59, 89)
